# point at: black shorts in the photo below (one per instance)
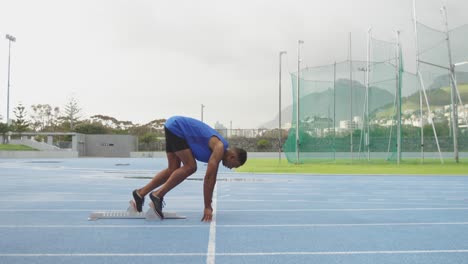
(173, 142)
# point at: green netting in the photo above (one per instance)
(434, 57)
(432, 45)
(434, 67)
(458, 43)
(339, 117)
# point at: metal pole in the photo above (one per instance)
(351, 96)
(398, 99)
(279, 107)
(363, 137)
(429, 113)
(369, 34)
(202, 106)
(422, 124)
(298, 97)
(421, 114)
(8, 85)
(334, 111)
(453, 94)
(10, 39)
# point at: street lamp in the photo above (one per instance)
(279, 107)
(299, 43)
(365, 124)
(202, 106)
(10, 39)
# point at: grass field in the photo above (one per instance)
(407, 166)
(13, 147)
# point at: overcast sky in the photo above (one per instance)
(143, 60)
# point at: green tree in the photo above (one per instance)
(117, 126)
(91, 128)
(148, 138)
(442, 129)
(44, 117)
(157, 123)
(410, 131)
(156, 127)
(4, 128)
(263, 144)
(378, 131)
(72, 113)
(20, 124)
(273, 133)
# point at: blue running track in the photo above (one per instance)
(260, 218)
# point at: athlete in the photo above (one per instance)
(188, 140)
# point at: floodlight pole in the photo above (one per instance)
(299, 43)
(334, 111)
(279, 107)
(202, 106)
(453, 94)
(10, 39)
(365, 115)
(351, 96)
(369, 37)
(398, 99)
(421, 114)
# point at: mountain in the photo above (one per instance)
(437, 97)
(444, 80)
(438, 94)
(321, 103)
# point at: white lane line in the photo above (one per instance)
(347, 252)
(235, 226)
(351, 209)
(448, 203)
(332, 200)
(348, 225)
(436, 251)
(64, 200)
(99, 254)
(210, 255)
(267, 210)
(74, 210)
(103, 226)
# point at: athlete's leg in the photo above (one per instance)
(160, 178)
(179, 175)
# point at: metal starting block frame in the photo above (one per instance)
(132, 213)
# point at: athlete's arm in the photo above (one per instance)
(210, 177)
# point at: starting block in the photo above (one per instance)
(132, 213)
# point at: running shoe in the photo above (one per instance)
(158, 205)
(139, 201)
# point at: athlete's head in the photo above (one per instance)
(234, 157)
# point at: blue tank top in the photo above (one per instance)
(196, 133)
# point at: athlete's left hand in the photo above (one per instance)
(207, 214)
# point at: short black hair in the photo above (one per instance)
(241, 155)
